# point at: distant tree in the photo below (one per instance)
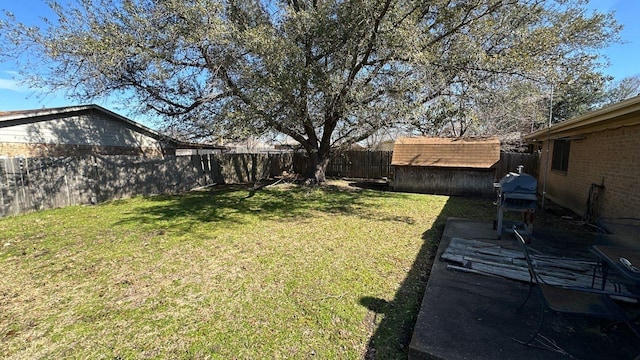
(623, 89)
(510, 105)
(515, 108)
(588, 92)
(327, 73)
(578, 94)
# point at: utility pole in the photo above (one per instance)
(546, 166)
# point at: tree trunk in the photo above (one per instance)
(320, 171)
(320, 153)
(318, 167)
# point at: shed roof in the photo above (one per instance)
(624, 113)
(478, 153)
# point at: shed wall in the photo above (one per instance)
(444, 181)
(610, 158)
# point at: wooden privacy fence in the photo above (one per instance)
(351, 164)
(509, 162)
(30, 184)
(361, 164)
(377, 164)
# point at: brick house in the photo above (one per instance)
(591, 164)
(76, 130)
(445, 166)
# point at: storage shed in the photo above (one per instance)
(76, 130)
(446, 166)
(591, 163)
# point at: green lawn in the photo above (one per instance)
(334, 272)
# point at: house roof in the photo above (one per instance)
(7, 118)
(479, 153)
(624, 113)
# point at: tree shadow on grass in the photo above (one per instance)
(229, 205)
(393, 334)
(239, 204)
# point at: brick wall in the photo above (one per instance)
(610, 158)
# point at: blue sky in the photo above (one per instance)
(623, 57)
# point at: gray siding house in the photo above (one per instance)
(75, 130)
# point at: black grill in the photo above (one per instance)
(516, 192)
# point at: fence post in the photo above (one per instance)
(16, 190)
(2, 187)
(96, 184)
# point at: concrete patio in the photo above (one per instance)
(473, 316)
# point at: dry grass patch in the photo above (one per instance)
(285, 272)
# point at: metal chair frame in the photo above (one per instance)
(570, 300)
(617, 232)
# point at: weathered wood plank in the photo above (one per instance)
(486, 258)
(469, 270)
